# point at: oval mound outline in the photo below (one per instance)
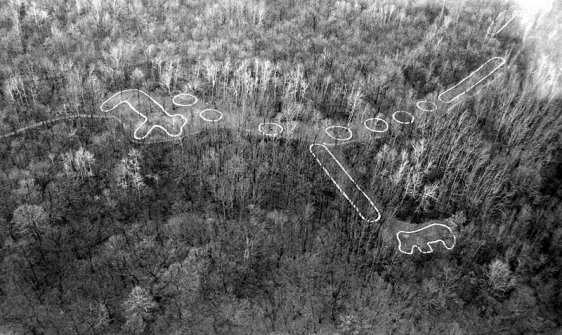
(374, 130)
(426, 102)
(261, 125)
(339, 139)
(401, 122)
(184, 105)
(209, 120)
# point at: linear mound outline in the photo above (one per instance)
(260, 128)
(57, 119)
(427, 102)
(209, 120)
(339, 139)
(144, 116)
(401, 122)
(374, 130)
(488, 33)
(339, 187)
(470, 75)
(183, 105)
(428, 243)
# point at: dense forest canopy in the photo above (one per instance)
(225, 231)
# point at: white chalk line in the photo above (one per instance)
(375, 130)
(502, 27)
(402, 122)
(62, 118)
(184, 105)
(339, 139)
(210, 120)
(433, 104)
(468, 77)
(351, 179)
(261, 125)
(144, 116)
(428, 243)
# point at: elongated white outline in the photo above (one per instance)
(401, 122)
(209, 120)
(502, 27)
(350, 178)
(470, 75)
(374, 130)
(427, 102)
(428, 243)
(144, 116)
(260, 128)
(339, 139)
(57, 119)
(184, 105)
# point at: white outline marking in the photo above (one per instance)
(374, 130)
(502, 27)
(470, 75)
(427, 102)
(339, 139)
(350, 178)
(57, 119)
(144, 116)
(260, 126)
(395, 119)
(182, 105)
(428, 243)
(209, 120)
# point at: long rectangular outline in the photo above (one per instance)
(350, 178)
(502, 27)
(470, 75)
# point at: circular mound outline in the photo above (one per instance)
(424, 109)
(374, 130)
(183, 105)
(339, 139)
(209, 120)
(260, 126)
(394, 117)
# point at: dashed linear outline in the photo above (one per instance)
(401, 122)
(481, 88)
(339, 139)
(209, 120)
(488, 33)
(470, 75)
(374, 130)
(428, 243)
(144, 116)
(350, 178)
(427, 102)
(57, 119)
(184, 105)
(260, 128)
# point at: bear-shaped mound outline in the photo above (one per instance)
(428, 243)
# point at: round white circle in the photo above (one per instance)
(183, 104)
(424, 104)
(277, 125)
(374, 129)
(336, 138)
(210, 110)
(402, 122)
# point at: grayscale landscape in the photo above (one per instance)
(329, 167)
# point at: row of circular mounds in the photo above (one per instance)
(273, 129)
(371, 123)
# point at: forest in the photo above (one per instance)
(115, 222)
